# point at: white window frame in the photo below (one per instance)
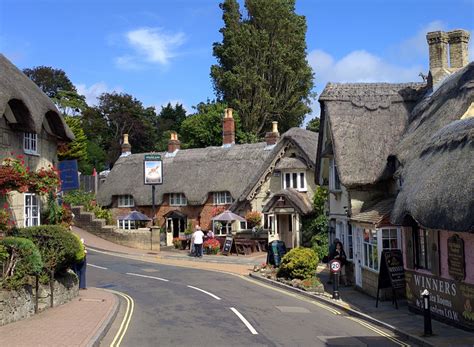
(370, 246)
(29, 218)
(30, 143)
(177, 199)
(126, 224)
(349, 242)
(390, 238)
(299, 186)
(334, 181)
(222, 198)
(126, 201)
(379, 244)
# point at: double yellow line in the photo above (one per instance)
(126, 319)
(378, 331)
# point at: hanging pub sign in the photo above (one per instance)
(153, 169)
(391, 274)
(456, 260)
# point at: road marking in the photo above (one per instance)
(378, 331)
(145, 276)
(201, 290)
(126, 319)
(97, 266)
(242, 318)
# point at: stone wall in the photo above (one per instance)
(19, 304)
(139, 238)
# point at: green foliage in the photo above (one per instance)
(96, 158)
(262, 70)
(77, 149)
(81, 251)
(189, 229)
(50, 80)
(70, 103)
(313, 125)
(300, 263)
(21, 259)
(58, 246)
(102, 213)
(315, 226)
(54, 211)
(79, 198)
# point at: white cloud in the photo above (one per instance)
(94, 91)
(150, 45)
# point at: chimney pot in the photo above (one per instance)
(173, 144)
(126, 147)
(438, 52)
(458, 48)
(271, 138)
(228, 128)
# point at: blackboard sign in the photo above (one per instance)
(227, 245)
(456, 262)
(392, 273)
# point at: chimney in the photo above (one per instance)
(228, 129)
(126, 147)
(458, 48)
(173, 144)
(271, 138)
(438, 48)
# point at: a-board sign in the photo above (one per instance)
(392, 274)
(153, 169)
(227, 245)
(335, 265)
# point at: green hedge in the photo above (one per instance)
(21, 259)
(300, 263)
(59, 247)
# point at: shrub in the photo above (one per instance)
(102, 213)
(212, 246)
(21, 259)
(300, 263)
(254, 218)
(58, 247)
(177, 242)
(79, 198)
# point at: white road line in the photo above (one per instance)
(210, 294)
(242, 318)
(97, 266)
(152, 277)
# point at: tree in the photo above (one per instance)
(313, 125)
(261, 69)
(77, 149)
(50, 80)
(169, 119)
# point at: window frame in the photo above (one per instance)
(130, 201)
(370, 247)
(426, 252)
(222, 198)
(30, 143)
(27, 220)
(334, 180)
(126, 224)
(177, 199)
(289, 177)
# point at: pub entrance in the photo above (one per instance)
(176, 222)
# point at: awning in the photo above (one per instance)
(289, 197)
(136, 216)
(375, 212)
(228, 216)
(175, 215)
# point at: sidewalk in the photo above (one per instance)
(80, 322)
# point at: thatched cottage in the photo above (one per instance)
(245, 177)
(30, 125)
(398, 159)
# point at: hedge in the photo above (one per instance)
(300, 263)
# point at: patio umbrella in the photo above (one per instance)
(228, 216)
(136, 216)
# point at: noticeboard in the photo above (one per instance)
(69, 175)
(392, 273)
(456, 260)
(227, 245)
(152, 169)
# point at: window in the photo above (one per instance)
(390, 239)
(350, 244)
(30, 143)
(422, 251)
(125, 201)
(295, 180)
(371, 258)
(334, 182)
(222, 198)
(126, 224)
(32, 210)
(178, 199)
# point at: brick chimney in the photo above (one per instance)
(458, 48)
(438, 48)
(126, 147)
(228, 129)
(271, 138)
(173, 144)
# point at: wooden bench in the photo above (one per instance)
(244, 246)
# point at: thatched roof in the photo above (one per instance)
(290, 163)
(292, 197)
(200, 171)
(375, 212)
(366, 121)
(27, 108)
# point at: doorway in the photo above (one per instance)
(285, 229)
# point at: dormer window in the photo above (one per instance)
(126, 201)
(30, 143)
(294, 180)
(177, 199)
(334, 182)
(222, 198)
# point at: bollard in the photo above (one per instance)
(335, 286)
(427, 313)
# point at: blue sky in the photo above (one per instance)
(161, 50)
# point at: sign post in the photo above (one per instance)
(391, 274)
(152, 175)
(335, 268)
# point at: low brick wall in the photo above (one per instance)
(140, 238)
(19, 304)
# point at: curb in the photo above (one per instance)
(104, 329)
(416, 339)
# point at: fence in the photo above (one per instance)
(89, 183)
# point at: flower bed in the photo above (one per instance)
(212, 246)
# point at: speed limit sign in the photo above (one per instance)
(335, 265)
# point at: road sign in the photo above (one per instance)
(335, 265)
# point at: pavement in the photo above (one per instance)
(86, 319)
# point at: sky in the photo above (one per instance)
(160, 51)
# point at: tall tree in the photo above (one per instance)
(50, 80)
(169, 119)
(313, 125)
(261, 69)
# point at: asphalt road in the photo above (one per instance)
(175, 306)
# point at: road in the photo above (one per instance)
(175, 306)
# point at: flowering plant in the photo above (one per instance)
(44, 180)
(177, 242)
(212, 246)
(254, 218)
(216, 210)
(6, 222)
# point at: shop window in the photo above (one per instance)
(30, 143)
(178, 199)
(32, 210)
(371, 258)
(390, 239)
(222, 198)
(423, 253)
(294, 180)
(126, 201)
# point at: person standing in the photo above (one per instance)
(198, 239)
(340, 255)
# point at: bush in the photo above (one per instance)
(103, 213)
(254, 218)
(79, 198)
(300, 263)
(21, 259)
(59, 247)
(177, 242)
(212, 246)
